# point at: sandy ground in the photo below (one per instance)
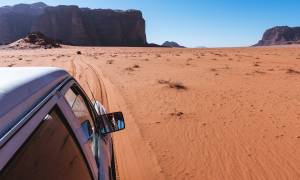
(192, 113)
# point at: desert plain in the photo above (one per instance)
(227, 113)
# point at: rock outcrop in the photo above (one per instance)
(35, 40)
(280, 35)
(73, 25)
(172, 44)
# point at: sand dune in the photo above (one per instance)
(192, 113)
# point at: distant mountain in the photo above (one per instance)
(280, 35)
(73, 25)
(172, 44)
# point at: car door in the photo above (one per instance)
(83, 111)
(51, 152)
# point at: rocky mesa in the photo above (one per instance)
(280, 35)
(73, 25)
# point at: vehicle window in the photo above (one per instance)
(78, 105)
(50, 153)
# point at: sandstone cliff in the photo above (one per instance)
(16, 21)
(73, 25)
(280, 35)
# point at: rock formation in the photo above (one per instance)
(34, 40)
(73, 25)
(280, 35)
(172, 44)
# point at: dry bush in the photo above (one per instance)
(256, 64)
(136, 66)
(259, 72)
(178, 114)
(109, 61)
(173, 84)
(292, 71)
(161, 81)
(129, 69)
(177, 85)
(78, 52)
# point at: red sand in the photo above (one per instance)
(238, 118)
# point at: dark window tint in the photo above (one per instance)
(50, 153)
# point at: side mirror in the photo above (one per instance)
(112, 122)
(87, 129)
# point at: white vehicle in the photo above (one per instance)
(49, 128)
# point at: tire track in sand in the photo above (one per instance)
(84, 73)
(73, 67)
(103, 93)
(130, 148)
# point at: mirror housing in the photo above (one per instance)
(112, 122)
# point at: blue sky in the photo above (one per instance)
(192, 23)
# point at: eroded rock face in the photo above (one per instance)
(280, 35)
(74, 25)
(16, 21)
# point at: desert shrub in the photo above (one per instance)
(129, 69)
(109, 61)
(161, 81)
(292, 71)
(173, 84)
(177, 85)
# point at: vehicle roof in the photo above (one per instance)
(22, 88)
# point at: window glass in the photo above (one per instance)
(78, 105)
(50, 153)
